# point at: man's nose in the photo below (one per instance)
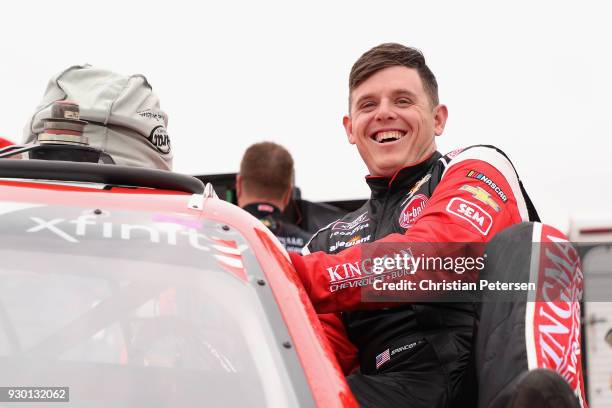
(385, 111)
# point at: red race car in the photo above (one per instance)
(138, 287)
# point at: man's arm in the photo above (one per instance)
(478, 196)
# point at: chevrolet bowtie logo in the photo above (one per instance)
(481, 195)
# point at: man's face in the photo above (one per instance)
(392, 121)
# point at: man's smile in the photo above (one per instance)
(388, 136)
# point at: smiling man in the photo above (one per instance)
(414, 354)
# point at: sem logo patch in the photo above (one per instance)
(472, 213)
(412, 210)
(160, 139)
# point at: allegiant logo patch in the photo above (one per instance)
(472, 213)
(353, 241)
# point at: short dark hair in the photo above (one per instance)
(266, 170)
(389, 55)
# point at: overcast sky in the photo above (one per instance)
(533, 78)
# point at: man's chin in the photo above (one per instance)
(389, 170)
(386, 171)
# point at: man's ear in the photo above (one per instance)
(287, 197)
(348, 128)
(440, 116)
(238, 187)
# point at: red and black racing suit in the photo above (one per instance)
(466, 196)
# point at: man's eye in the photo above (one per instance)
(367, 105)
(404, 101)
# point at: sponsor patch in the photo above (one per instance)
(412, 210)
(350, 271)
(472, 213)
(291, 244)
(295, 241)
(418, 185)
(482, 177)
(149, 114)
(481, 195)
(160, 139)
(268, 222)
(344, 226)
(353, 241)
(454, 153)
(351, 232)
(407, 347)
(91, 226)
(382, 358)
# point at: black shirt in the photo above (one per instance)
(291, 236)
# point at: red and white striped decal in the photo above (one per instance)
(229, 257)
(552, 326)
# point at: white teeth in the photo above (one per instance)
(392, 134)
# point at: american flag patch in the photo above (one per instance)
(382, 358)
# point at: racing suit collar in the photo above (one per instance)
(403, 178)
(261, 210)
(268, 214)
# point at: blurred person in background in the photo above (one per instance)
(264, 187)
